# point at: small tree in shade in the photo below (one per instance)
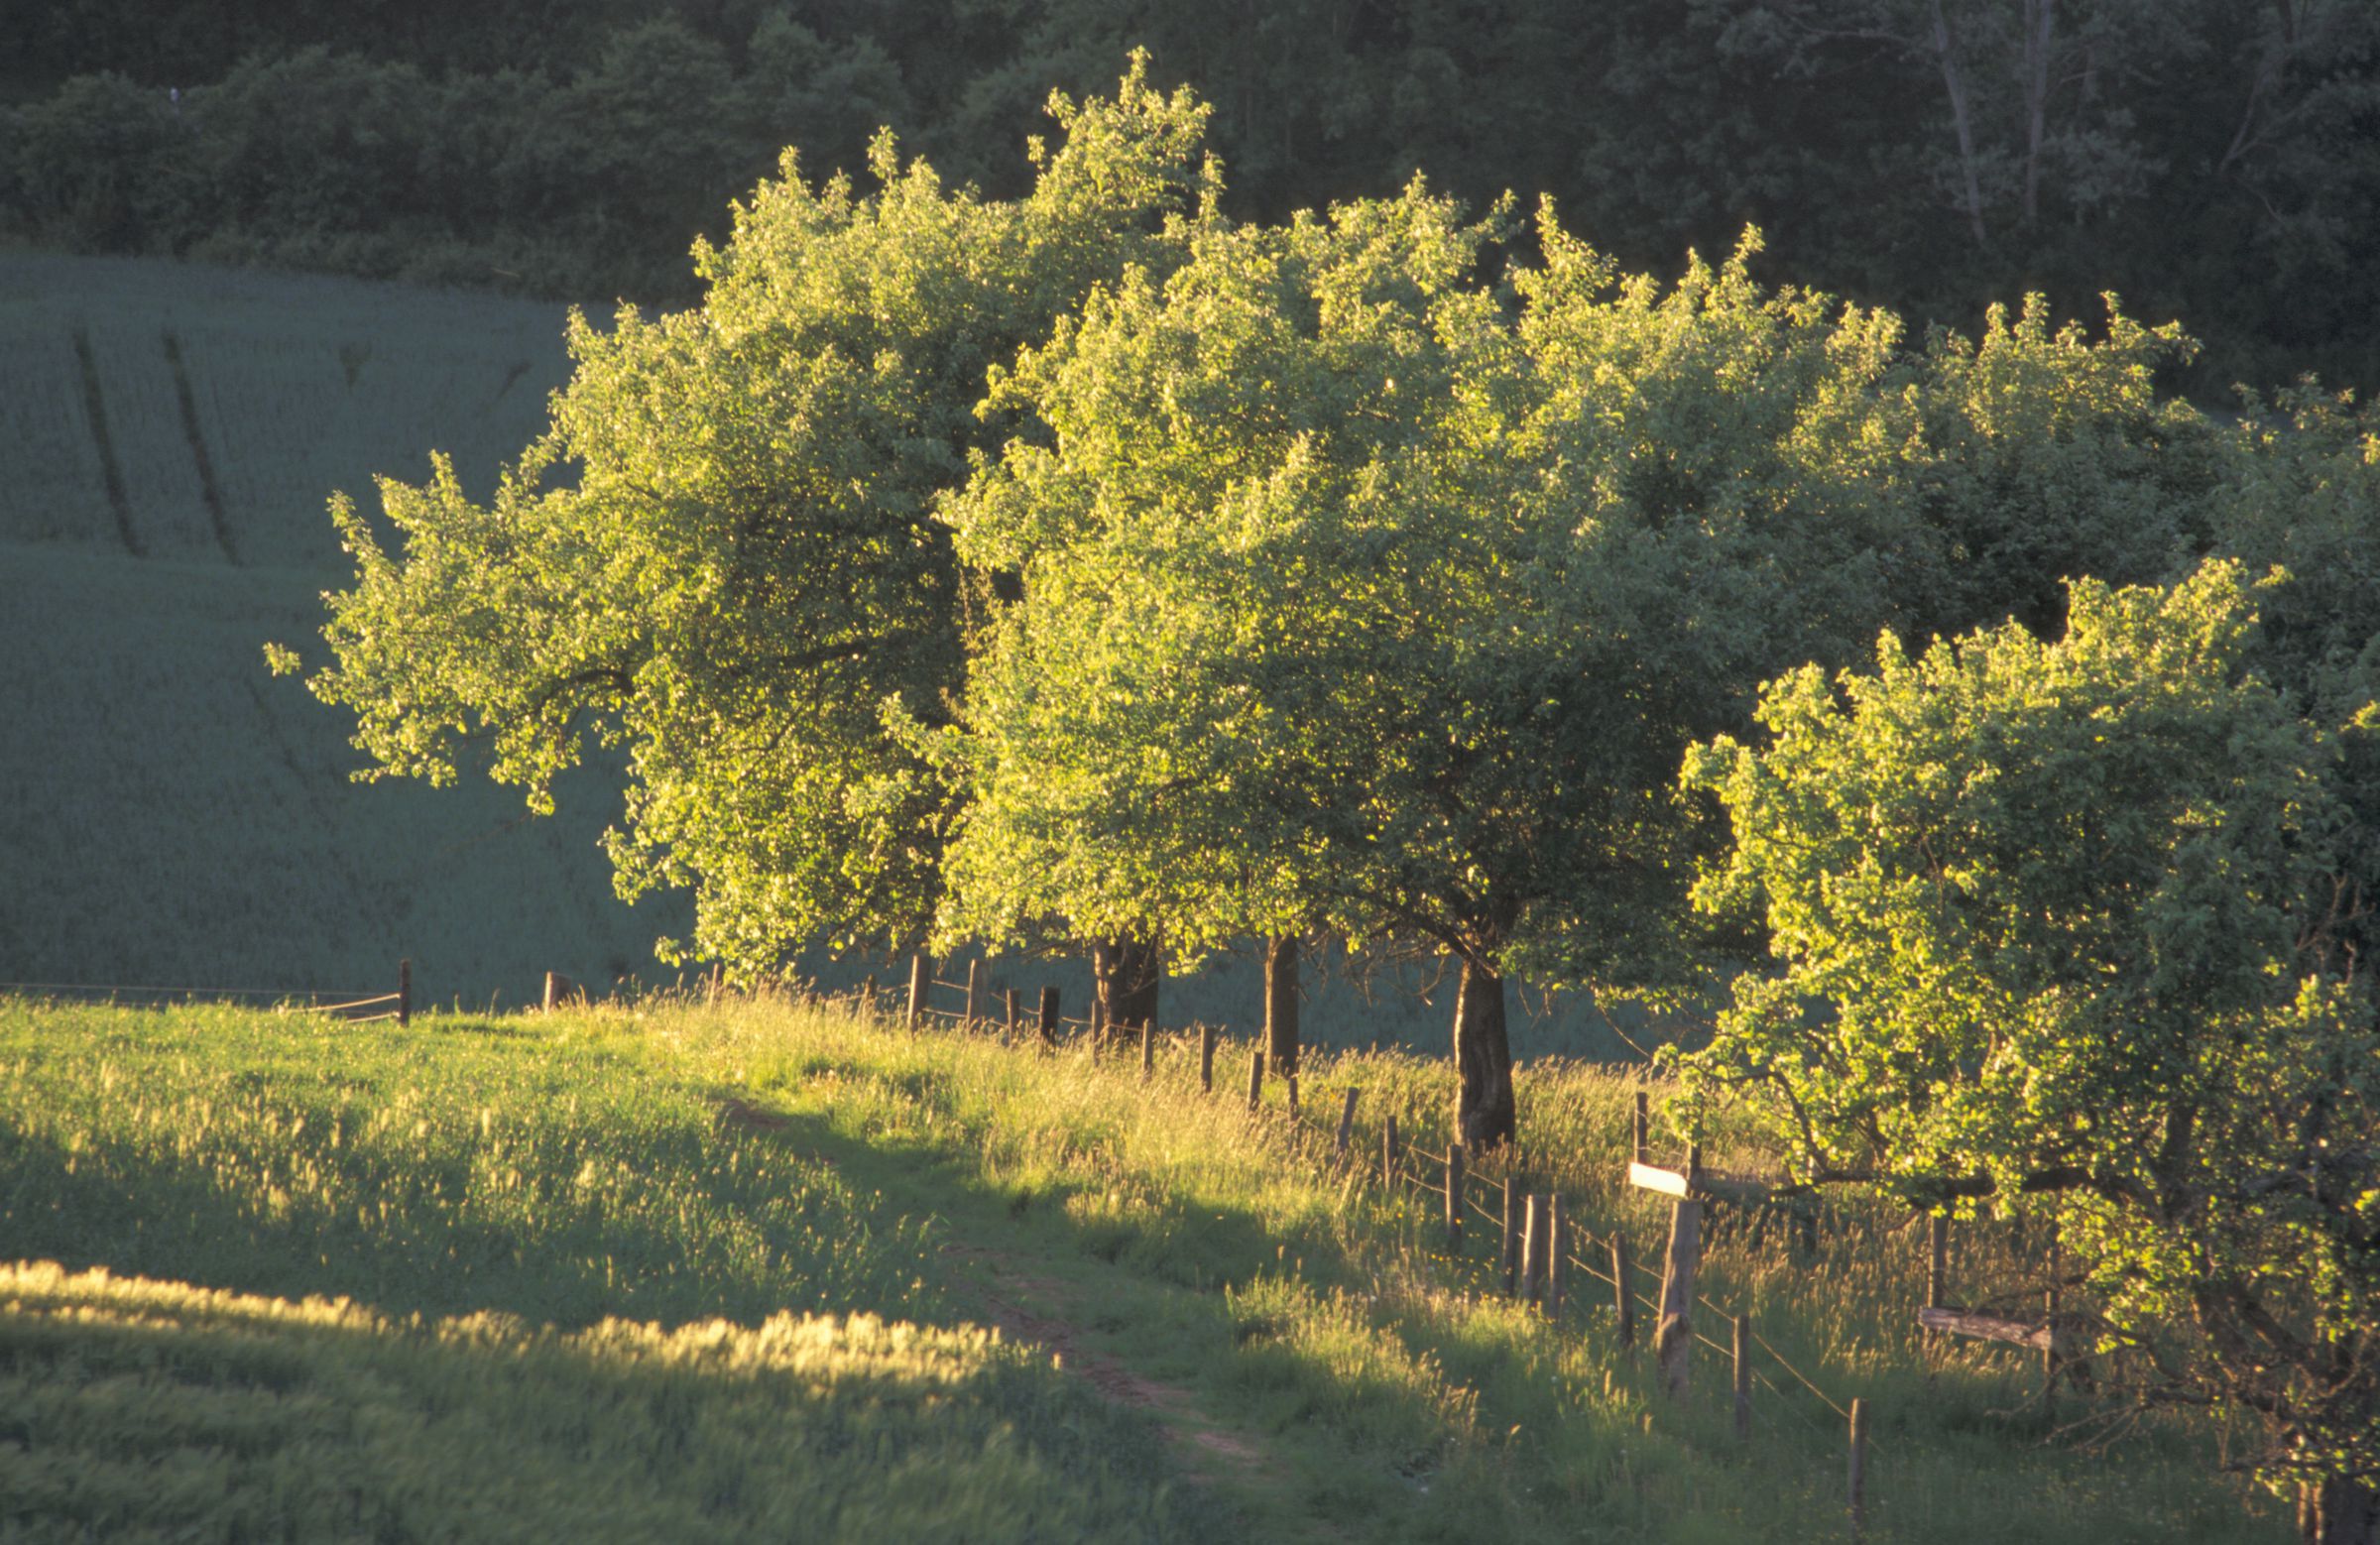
(2064, 927)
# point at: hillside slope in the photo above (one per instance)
(169, 437)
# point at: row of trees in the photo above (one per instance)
(2207, 157)
(1092, 567)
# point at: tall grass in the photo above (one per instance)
(134, 1409)
(287, 1279)
(1337, 1309)
(670, 1163)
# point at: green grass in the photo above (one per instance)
(472, 1282)
(177, 818)
(299, 385)
(1322, 1366)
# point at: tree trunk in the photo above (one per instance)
(1485, 1113)
(1127, 973)
(2346, 1513)
(1280, 1006)
(1953, 79)
(2041, 22)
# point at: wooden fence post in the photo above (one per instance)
(868, 996)
(554, 992)
(1047, 1028)
(405, 992)
(1532, 1252)
(1347, 1122)
(1454, 1192)
(1743, 1376)
(1148, 1049)
(1389, 1151)
(1255, 1078)
(1289, 1084)
(1620, 1288)
(1206, 1059)
(1859, 1476)
(1007, 1030)
(917, 978)
(1510, 1258)
(1642, 1127)
(1556, 1272)
(1673, 1339)
(1938, 1261)
(974, 1019)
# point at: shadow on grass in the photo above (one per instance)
(316, 1421)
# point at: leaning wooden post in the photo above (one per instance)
(1673, 1339)
(1556, 1272)
(1743, 1376)
(1859, 1476)
(1206, 1059)
(1007, 1029)
(1255, 1078)
(917, 970)
(1389, 1151)
(1510, 1259)
(1620, 1288)
(1453, 1194)
(405, 992)
(1532, 1252)
(974, 1019)
(1347, 1122)
(1047, 1028)
(1148, 1050)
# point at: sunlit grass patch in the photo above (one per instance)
(135, 1408)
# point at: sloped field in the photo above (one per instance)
(621, 1259)
(169, 436)
(282, 1278)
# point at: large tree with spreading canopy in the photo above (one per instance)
(723, 557)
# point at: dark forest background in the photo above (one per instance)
(2211, 161)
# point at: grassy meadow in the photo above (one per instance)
(730, 1270)
(169, 437)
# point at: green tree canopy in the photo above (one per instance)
(2058, 928)
(1359, 595)
(723, 556)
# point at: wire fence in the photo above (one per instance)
(348, 1004)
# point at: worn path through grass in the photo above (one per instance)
(1014, 1260)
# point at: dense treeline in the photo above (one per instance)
(2207, 159)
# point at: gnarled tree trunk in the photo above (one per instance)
(1127, 973)
(1485, 1113)
(2345, 1512)
(1280, 1006)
